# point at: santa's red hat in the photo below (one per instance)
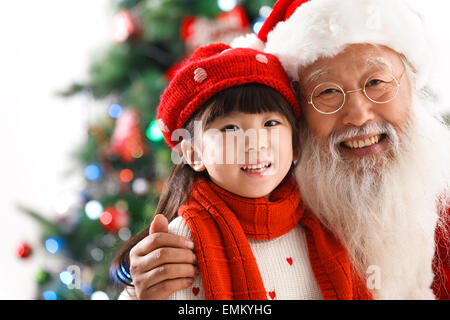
(212, 69)
(298, 32)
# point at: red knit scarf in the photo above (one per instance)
(220, 223)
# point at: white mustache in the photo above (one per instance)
(372, 129)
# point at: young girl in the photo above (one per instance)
(236, 198)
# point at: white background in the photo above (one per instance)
(45, 45)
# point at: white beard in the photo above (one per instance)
(384, 209)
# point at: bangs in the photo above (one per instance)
(251, 98)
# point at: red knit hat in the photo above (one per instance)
(212, 69)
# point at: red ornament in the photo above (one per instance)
(125, 26)
(197, 31)
(127, 140)
(113, 219)
(126, 175)
(23, 250)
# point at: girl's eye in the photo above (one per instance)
(271, 123)
(230, 127)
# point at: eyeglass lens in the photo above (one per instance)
(380, 87)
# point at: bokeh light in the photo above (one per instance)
(53, 245)
(139, 186)
(92, 172)
(93, 209)
(126, 175)
(49, 295)
(258, 25)
(115, 110)
(106, 218)
(153, 132)
(226, 5)
(99, 295)
(66, 277)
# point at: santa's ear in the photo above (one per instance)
(192, 157)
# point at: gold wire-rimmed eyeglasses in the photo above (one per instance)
(381, 87)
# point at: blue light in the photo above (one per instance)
(53, 245)
(258, 25)
(226, 5)
(87, 289)
(49, 295)
(66, 277)
(92, 172)
(123, 274)
(115, 110)
(125, 271)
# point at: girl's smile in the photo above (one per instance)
(258, 169)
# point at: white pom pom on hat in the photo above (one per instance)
(250, 41)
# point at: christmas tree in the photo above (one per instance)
(125, 160)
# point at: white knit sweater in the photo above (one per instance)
(283, 263)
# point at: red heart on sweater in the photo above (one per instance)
(289, 260)
(272, 294)
(195, 290)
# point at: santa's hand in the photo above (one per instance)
(161, 263)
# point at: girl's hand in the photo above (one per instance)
(162, 263)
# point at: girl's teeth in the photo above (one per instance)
(259, 167)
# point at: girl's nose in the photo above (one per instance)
(258, 142)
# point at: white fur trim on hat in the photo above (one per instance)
(250, 40)
(322, 28)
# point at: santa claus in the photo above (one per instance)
(374, 166)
